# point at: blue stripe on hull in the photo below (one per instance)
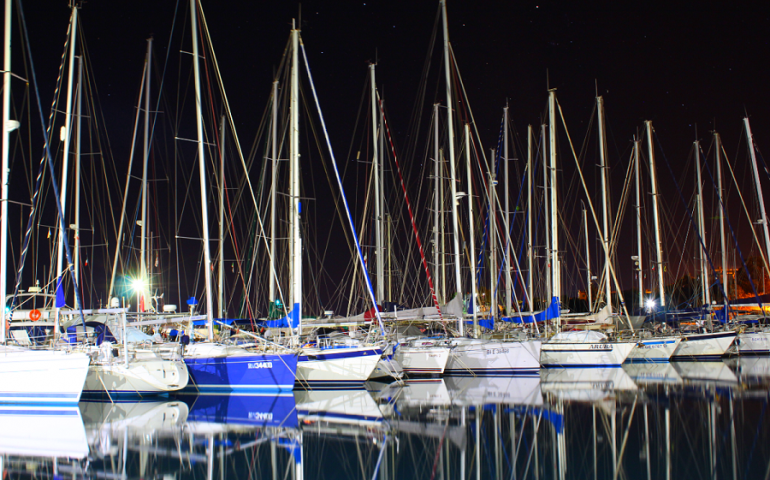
(584, 365)
(271, 372)
(647, 360)
(41, 395)
(505, 372)
(335, 415)
(330, 385)
(124, 393)
(335, 355)
(695, 358)
(73, 412)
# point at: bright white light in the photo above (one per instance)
(138, 284)
(650, 304)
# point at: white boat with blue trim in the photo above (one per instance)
(654, 349)
(704, 346)
(473, 357)
(41, 376)
(343, 367)
(583, 349)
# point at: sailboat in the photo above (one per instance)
(215, 367)
(26, 375)
(654, 348)
(319, 366)
(586, 348)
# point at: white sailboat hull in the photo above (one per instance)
(336, 368)
(704, 346)
(142, 377)
(387, 368)
(753, 343)
(589, 354)
(654, 350)
(41, 376)
(495, 358)
(428, 360)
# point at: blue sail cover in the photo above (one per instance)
(61, 302)
(487, 323)
(553, 311)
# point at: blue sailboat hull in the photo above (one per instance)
(242, 374)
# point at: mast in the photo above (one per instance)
(436, 205)
(5, 150)
(589, 293)
(492, 240)
(508, 286)
(296, 242)
(530, 184)
(145, 161)
(381, 200)
(65, 155)
(202, 171)
(605, 213)
(760, 197)
(639, 270)
(221, 272)
(472, 253)
(723, 243)
(78, 108)
(547, 201)
(379, 256)
(702, 232)
(656, 221)
(442, 226)
(452, 176)
(273, 190)
(554, 220)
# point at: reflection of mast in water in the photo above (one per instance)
(668, 443)
(647, 442)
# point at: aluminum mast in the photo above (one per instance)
(656, 221)
(452, 177)
(202, 172)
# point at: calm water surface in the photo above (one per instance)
(683, 420)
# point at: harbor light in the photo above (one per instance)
(138, 284)
(650, 304)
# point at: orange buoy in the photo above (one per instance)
(35, 315)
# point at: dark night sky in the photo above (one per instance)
(676, 63)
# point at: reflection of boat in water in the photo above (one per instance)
(415, 393)
(109, 424)
(707, 373)
(138, 416)
(585, 384)
(751, 370)
(42, 431)
(494, 390)
(211, 413)
(350, 407)
(644, 374)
